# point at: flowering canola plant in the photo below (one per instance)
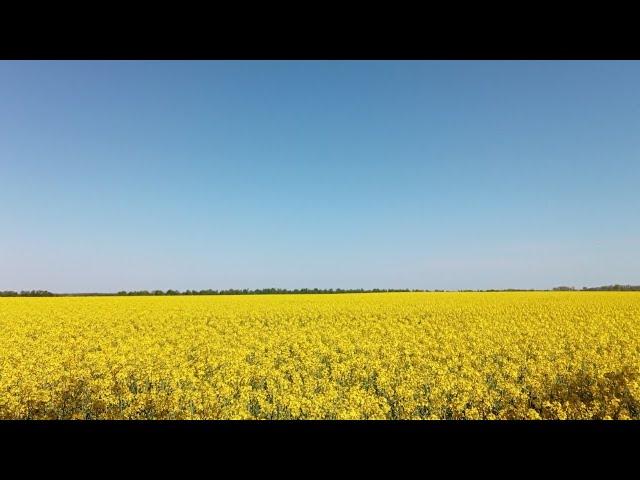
(507, 355)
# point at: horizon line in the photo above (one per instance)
(298, 291)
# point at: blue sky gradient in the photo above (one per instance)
(191, 175)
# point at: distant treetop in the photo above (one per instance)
(276, 291)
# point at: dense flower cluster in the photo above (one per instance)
(552, 355)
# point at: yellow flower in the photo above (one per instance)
(524, 355)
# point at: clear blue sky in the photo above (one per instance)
(191, 175)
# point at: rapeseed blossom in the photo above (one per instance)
(515, 355)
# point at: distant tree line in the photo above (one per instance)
(231, 291)
(605, 288)
(262, 291)
(501, 290)
(27, 293)
(615, 288)
(276, 291)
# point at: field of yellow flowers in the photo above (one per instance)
(550, 355)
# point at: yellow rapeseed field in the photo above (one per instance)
(551, 355)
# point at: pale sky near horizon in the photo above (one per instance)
(425, 174)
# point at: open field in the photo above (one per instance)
(349, 356)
